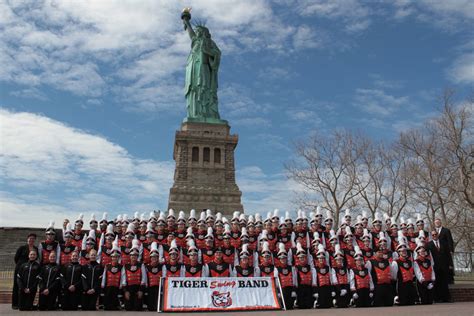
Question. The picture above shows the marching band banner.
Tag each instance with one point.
(219, 294)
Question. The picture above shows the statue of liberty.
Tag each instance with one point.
(201, 74)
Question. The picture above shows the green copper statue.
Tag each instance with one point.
(201, 74)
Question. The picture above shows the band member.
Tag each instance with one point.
(244, 269)
(403, 274)
(181, 230)
(348, 250)
(217, 267)
(173, 267)
(49, 284)
(146, 244)
(376, 229)
(266, 267)
(366, 248)
(161, 234)
(133, 281)
(287, 277)
(71, 280)
(154, 273)
(93, 225)
(210, 220)
(340, 279)
(208, 251)
(253, 237)
(301, 230)
(380, 269)
(88, 243)
(324, 291)
(111, 280)
(171, 221)
(194, 268)
(67, 247)
(235, 231)
(49, 245)
(306, 279)
(425, 275)
(200, 235)
(283, 235)
(229, 251)
(91, 280)
(78, 232)
(27, 280)
(142, 229)
(184, 251)
(127, 246)
(360, 280)
(103, 224)
(192, 222)
(106, 245)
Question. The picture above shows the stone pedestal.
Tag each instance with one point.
(204, 176)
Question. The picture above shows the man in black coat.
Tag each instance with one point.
(446, 240)
(21, 257)
(441, 258)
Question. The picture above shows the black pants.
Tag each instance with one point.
(152, 298)
(15, 291)
(441, 288)
(48, 302)
(289, 301)
(71, 300)
(406, 293)
(89, 301)
(343, 301)
(364, 299)
(111, 300)
(304, 296)
(324, 296)
(426, 296)
(383, 295)
(25, 300)
(134, 303)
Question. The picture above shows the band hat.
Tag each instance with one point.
(382, 236)
(316, 237)
(337, 251)
(287, 217)
(419, 245)
(258, 219)
(189, 232)
(264, 235)
(332, 235)
(245, 252)
(393, 221)
(119, 218)
(282, 222)
(136, 216)
(402, 222)
(365, 215)
(328, 216)
(161, 218)
(209, 214)
(104, 217)
(115, 247)
(366, 234)
(410, 222)
(244, 232)
(91, 235)
(281, 250)
(181, 217)
(202, 218)
(192, 215)
(135, 245)
(191, 246)
(251, 221)
(235, 217)
(299, 216)
(358, 252)
(299, 250)
(227, 232)
(276, 213)
(50, 228)
(358, 220)
(171, 214)
(268, 218)
(149, 229)
(243, 219)
(110, 230)
(80, 219)
(154, 249)
(265, 248)
(348, 231)
(386, 217)
(419, 219)
(68, 232)
(210, 233)
(130, 229)
(92, 219)
(318, 212)
(143, 221)
(321, 251)
(347, 213)
(152, 216)
(377, 218)
(125, 219)
(173, 247)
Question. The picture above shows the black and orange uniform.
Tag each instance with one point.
(272, 240)
(111, 286)
(195, 271)
(405, 287)
(200, 239)
(425, 277)
(71, 275)
(368, 253)
(375, 238)
(50, 279)
(302, 233)
(287, 277)
(349, 254)
(91, 279)
(361, 284)
(84, 257)
(105, 252)
(161, 238)
(381, 276)
(306, 280)
(241, 272)
(154, 274)
(77, 238)
(286, 240)
(207, 255)
(218, 270)
(65, 251)
(173, 270)
(341, 286)
(267, 270)
(146, 251)
(125, 254)
(181, 238)
(228, 254)
(252, 242)
(235, 240)
(324, 285)
(45, 248)
(218, 240)
(27, 278)
(133, 281)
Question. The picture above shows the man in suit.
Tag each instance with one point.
(441, 258)
(446, 240)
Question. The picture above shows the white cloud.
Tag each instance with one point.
(378, 102)
(462, 69)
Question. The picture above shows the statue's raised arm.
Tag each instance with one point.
(186, 17)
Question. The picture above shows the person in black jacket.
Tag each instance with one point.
(49, 284)
(72, 283)
(91, 280)
(446, 240)
(21, 257)
(441, 258)
(27, 279)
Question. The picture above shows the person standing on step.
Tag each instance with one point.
(27, 280)
(21, 257)
(49, 284)
(71, 279)
(91, 279)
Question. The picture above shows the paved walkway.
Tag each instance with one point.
(453, 309)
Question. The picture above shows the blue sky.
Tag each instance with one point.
(92, 91)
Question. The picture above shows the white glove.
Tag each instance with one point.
(316, 295)
(293, 294)
(371, 295)
(315, 304)
(355, 296)
(333, 294)
(430, 286)
(396, 300)
(343, 292)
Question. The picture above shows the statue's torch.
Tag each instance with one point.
(186, 16)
